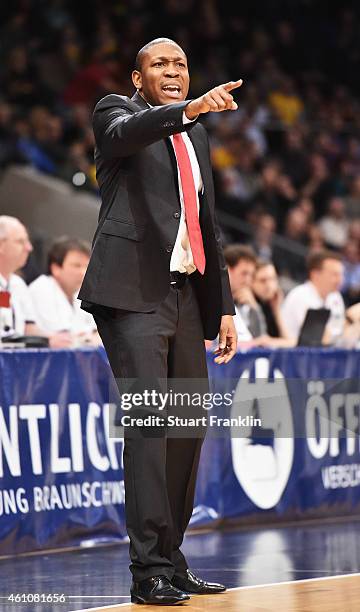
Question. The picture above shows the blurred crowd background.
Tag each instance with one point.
(286, 164)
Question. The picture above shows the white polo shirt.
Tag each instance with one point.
(305, 296)
(53, 310)
(13, 319)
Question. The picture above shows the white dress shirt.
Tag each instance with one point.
(242, 330)
(21, 311)
(53, 310)
(182, 258)
(305, 296)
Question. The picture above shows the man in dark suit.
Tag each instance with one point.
(157, 285)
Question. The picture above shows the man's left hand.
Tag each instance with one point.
(227, 340)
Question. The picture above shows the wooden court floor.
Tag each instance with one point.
(329, 594)
(303, 568)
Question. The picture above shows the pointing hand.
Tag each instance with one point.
(216, 100)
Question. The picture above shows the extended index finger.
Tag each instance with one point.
(232, 85)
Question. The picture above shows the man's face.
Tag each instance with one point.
(241, 275)
(329, 278)
(15, 248)
(265, 283)
(70, 275)
(164, 76)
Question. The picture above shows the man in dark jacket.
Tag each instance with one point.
(157, 285)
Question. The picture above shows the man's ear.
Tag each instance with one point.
(136, 79)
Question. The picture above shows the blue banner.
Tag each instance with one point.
(61, 476)
(309, 399)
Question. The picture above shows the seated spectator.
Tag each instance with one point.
(351, 283)
(321, 290)
(241, 261)
(286, 102)
(94, 80)
(315, 238)
(290, 261)
(306, 205)
(354, 230)
(269, 296)
(294, 156)
(351, 336)
(352, 201)
(9, 152)
(320, 184)
(17, 316)
(54, 295)
(334, 226)
(22, 84)
(263, 236)
(275, 193)
(296, 225)
(234, 160)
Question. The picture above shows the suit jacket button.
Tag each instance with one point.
(176, 215)
(169, 248)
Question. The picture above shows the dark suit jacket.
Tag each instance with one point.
(140, 211)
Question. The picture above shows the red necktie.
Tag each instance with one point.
(190, 202)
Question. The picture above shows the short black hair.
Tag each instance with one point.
(234, 253)
(62, 246)
(316, 259)
(264, 263)
(143, 50)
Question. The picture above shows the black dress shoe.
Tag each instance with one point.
(156, 590)
(192, 584)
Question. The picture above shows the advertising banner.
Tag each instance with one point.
(61, 479)
(282, 443)
(304, 459)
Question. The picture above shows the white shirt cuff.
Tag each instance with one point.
(186, 119)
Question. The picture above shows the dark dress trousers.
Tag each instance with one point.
(153, 332)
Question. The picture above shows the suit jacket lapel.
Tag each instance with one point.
(164, 143)
(138, 99)
(200, 147)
